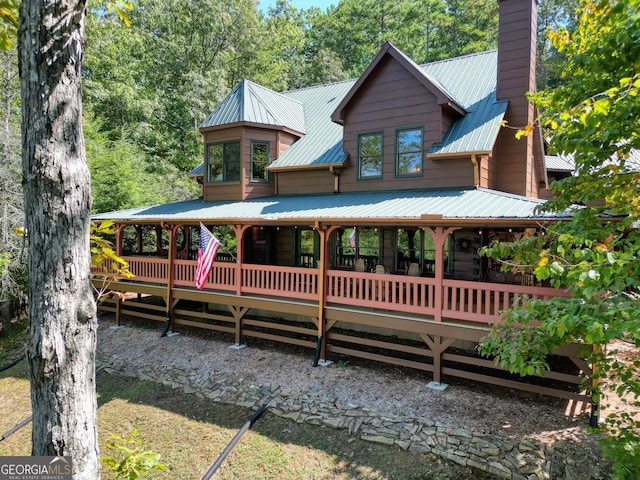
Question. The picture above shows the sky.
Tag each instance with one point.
(300, 4)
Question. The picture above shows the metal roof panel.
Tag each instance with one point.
(479, 203)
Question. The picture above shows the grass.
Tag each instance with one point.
(190, 432)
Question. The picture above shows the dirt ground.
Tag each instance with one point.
(560, 424)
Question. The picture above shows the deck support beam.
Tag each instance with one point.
(238, 314)
(170, 256)
(437, 345)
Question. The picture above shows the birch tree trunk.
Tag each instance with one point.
(57, 193)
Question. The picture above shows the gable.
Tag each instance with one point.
(387, 52)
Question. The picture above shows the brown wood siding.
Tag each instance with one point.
(466, 262)
(393, 98)
(302, 182)
(284, 240)
(487, 169)
(212, 192)
(285, 140)
(516, 76)
(257, 189)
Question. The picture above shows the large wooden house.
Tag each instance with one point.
(355, 212)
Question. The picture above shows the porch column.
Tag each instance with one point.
(239, 231)
(439, 236)
(170, 255)
(119, 229)
(323, 265)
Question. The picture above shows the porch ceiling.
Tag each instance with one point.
(432, 207)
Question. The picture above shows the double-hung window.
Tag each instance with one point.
(259, 161)
(223, 162)
(409, 148)
(370, 155)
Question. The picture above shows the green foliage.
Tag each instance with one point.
(106, 265)
(130, 458)
(8, 23)
(594, 116)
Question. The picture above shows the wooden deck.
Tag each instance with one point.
(416, 322)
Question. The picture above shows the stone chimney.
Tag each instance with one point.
(514, 159)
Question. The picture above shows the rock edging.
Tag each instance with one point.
(503, 458)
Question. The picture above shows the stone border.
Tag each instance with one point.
(504, 458)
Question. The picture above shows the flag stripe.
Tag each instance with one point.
(209, 246)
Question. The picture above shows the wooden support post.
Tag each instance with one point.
(238, 314)
(239, 231)
(595, 400)
(437, 345)
(322, 274)
(118, 304)
(439, 236)
(169, 298)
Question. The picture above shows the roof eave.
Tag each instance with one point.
(265, 126)
(320, 166)
(468, 153)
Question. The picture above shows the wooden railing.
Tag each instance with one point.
(380, 290)
(454, 299)
(221, 277)
(483, 302)
(292, 282)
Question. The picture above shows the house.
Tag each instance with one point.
(352, 214)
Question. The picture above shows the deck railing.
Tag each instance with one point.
(483, 302)
(379, 290)
(293, 282)
(462, 300)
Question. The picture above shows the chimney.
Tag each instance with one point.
(517, 32)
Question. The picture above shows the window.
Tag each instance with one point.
(307, 247)
(223, 162)
(409, 152)
(259, 161)
(370, 155)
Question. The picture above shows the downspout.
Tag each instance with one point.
(336, 179)
(322, 271)
(169, 300)
(476, 170)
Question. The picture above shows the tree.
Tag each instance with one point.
(57, 187)
(12, 266)
(593, 116)
(552, 15)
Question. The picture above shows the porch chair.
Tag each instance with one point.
(413, 270)
(359, 265)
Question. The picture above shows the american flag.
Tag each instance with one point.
(209, 246)
(352, 238)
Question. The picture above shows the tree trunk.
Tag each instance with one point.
(62, 310)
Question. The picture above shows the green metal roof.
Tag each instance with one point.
(322, 144)
(469, 81)
(250, 102)
(478, 204)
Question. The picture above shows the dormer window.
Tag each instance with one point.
(409, 148)
(223, 162)
(370, 155)
(259, 161)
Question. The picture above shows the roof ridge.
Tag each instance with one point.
(280, 94)
(319, 85)
(459, 57)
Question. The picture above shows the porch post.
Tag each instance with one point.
(239, 231)
(439, 236)
(119, 229)
(323, 264)
(169, 300)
